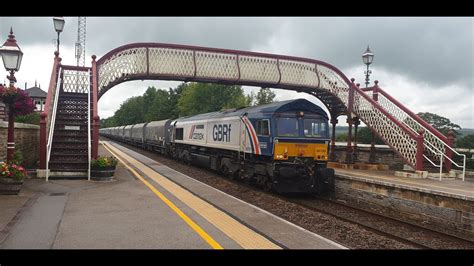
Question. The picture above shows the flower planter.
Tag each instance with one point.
(103, 174)
(10, 186)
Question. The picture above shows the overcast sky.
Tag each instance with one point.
(425, 63)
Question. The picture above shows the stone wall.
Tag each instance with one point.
(3, 113)
(383, 155)
(435, 210)
(26, 141)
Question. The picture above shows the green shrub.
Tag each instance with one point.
(17, 157)
(103, 161)
(470, 164)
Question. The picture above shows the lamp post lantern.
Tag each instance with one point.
(367, 57)
(11, 56)
(58, 26)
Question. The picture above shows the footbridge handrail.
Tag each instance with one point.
(52, 123)
(46, 114)
(434, 141)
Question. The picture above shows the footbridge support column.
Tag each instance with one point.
(332, 155)
(349, 151)
(356, 123)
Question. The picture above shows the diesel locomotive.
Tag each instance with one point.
(281, 146)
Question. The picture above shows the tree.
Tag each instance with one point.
(364, 135)
(108, 122)
(250, 98)
(341, 137)
(442, 124)
(197, 98)
(466, 142)
(159, 108)
(130, 112)
(264, 96)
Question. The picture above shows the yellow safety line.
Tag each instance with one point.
(401, 181)
(240, 233)
(170, 204)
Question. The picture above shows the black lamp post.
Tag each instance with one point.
(367, 57)
(12, 56)
(58, 26)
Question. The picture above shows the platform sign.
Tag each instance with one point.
(72, 127)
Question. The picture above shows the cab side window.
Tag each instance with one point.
(263, 127)
(179, 134)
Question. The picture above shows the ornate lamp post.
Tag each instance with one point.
(58, 26)
(11, 55)
(367, 57)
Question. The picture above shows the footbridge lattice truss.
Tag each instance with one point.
(411, 137)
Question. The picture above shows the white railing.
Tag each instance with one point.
(52, 123)
(89, 134)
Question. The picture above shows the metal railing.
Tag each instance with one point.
(52, 123)
(434, 141)
(89, 134)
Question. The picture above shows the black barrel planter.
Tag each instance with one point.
(9, 186)
(103, 173)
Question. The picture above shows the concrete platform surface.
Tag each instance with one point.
(446, 187)
(279, 231)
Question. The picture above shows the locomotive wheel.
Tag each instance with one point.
(268, 184)
(224, 170)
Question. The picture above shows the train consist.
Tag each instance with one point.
(281, 146)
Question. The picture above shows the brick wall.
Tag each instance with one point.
(26, 141)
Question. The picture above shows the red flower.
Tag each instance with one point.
(18, 100)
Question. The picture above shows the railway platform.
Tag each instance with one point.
(147, 206)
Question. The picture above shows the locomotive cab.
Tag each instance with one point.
(295, 137)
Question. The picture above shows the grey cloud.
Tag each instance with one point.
(434, 50)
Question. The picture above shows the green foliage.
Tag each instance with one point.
(159, 105)
(341, 137)
(250, 99)
(131, 111)
(17, 157)
(470, 164)
(264, 96)
(364, 135)
(442, 124)
(108, 122)
(103, 162)
(197, 98)
(466, 142)
(33, 118)
(186, 99)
